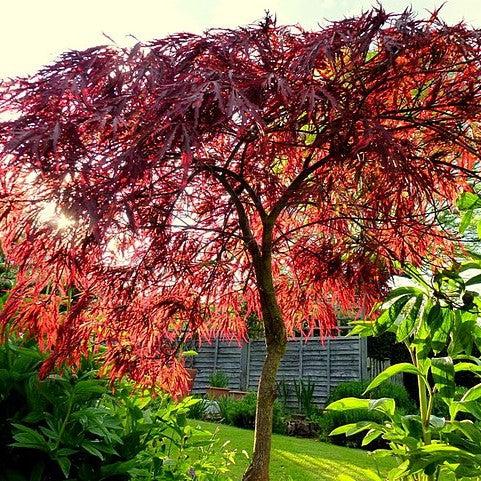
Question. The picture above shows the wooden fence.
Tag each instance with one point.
(325, 363)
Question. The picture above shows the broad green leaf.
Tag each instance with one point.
(465, 266)
(345, 477)
(408, 323)
(371, 435)
(385, 405)
(355, 428)
(466, 219)
(342, 429)
(362, 328)
(472, 394)
(442, 369)
(413, 425)
(119, 468)
(462, 333)
(434, 317)
(441, 331)
(467, 366)
(348, 403)
(470, 430)
(389, 316)
(399, 471)
(88, 389)
(474, 280)
(472, 407)
(392, 371)
(445, 449)
(464, 471)
(437, 422)
(410, 291)
(468, 200)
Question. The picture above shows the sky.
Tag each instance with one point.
(34, 32)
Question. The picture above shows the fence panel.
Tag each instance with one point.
(325, 363)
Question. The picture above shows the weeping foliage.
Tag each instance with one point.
(142, 187)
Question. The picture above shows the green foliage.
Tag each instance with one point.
(242, 412)
(283, 392)
(387, 389)
(330, 420)
(304, 390)
(436, 317)
(219, 379)
(197, 410)
(255, 328)
(71, 426)
(7, 278)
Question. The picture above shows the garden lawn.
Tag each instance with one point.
(296, 459)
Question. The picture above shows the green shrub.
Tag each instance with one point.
(388, 389)
(242, 412)
(198, 407)
(70, 425)
(329, 420)
(304, 390)
(219, 379)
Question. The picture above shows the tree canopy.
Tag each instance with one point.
(145, 189)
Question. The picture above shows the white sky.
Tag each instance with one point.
(34, 32)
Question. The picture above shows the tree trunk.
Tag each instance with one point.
(276, 340)
(258, 469)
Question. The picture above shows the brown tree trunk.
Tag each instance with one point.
(276, 340)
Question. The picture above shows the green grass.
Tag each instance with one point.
(295, 459)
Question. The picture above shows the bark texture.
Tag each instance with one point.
(276, 340)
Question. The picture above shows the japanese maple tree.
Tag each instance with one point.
(161, 194)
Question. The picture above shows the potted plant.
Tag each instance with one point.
(218, 385)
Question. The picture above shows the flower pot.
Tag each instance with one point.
(217, 392)
(237, 394)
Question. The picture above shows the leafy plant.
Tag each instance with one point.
(197, 410)
(386, 389)
(330, 420)
(219, 379)
(242, 412)
(7, 279)
(171, 448)
(436, 318)
(304, 390)
(71, 426)
(283, 392)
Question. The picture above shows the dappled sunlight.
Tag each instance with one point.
(330, 469)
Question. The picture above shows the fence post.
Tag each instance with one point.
(244, 369)
(362, 358)
(328, 366)
(301, 359)
(216, 353)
